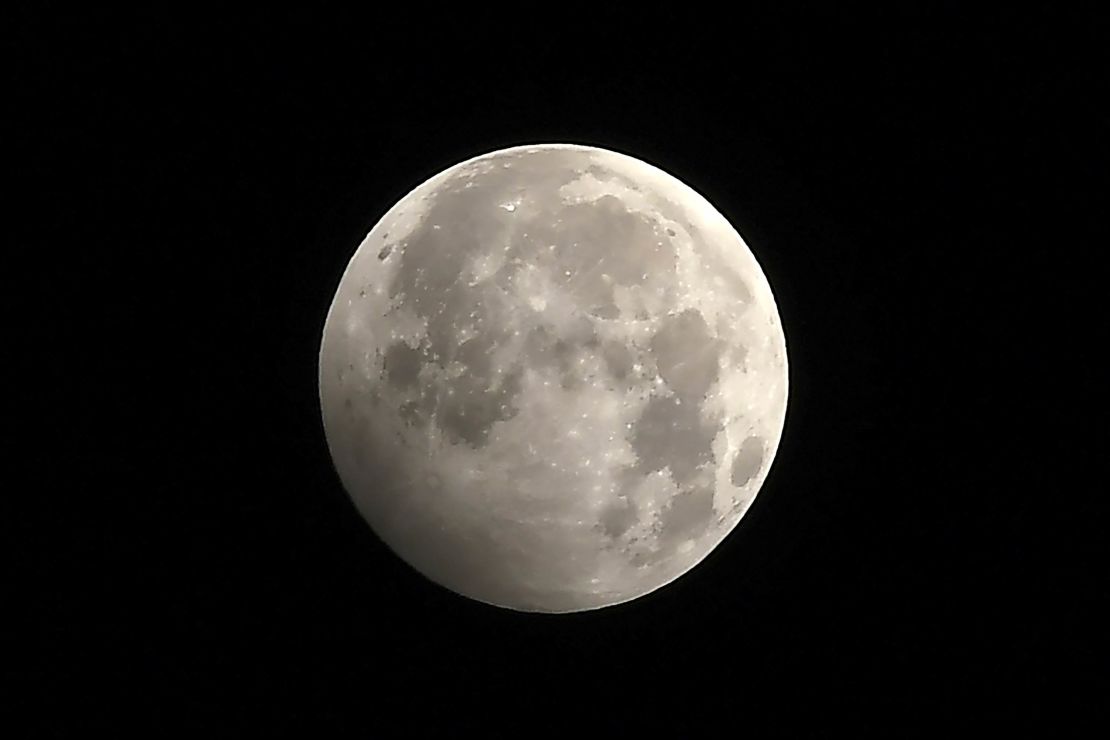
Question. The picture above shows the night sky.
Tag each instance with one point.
(917, 186)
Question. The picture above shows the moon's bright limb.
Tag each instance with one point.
(553, 378)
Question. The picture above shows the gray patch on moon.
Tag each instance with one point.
(430, 280)
(687, 356)
(672, 434)
(547, 350)
(401, 365)
(617, 517)
(618, 359)
(687, 515)
(605, 174)
(469, 405)
(607, 311)
(612, 245)
(747, 462)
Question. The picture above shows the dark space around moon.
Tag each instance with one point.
(913, 184)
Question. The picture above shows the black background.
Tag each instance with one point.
(918, 186)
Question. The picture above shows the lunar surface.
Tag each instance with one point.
(553, 378)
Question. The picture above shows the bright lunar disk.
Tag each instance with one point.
(553, 378)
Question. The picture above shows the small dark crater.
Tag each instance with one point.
(607, 312)
(402, 365)
(748, 460)
(617, 518)
(385, 251)
(670, 232)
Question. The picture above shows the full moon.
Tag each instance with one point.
(553, 378)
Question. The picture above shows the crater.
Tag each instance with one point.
(401, 365)
(747, 462)
(617, 518)
(607, 312)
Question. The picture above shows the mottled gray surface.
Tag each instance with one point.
(553, 378)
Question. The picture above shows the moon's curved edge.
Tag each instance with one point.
(429, 185)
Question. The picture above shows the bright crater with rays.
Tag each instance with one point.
(553, 378)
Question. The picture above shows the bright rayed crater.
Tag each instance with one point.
(553, 378)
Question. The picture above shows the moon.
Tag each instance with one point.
(553, 378)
